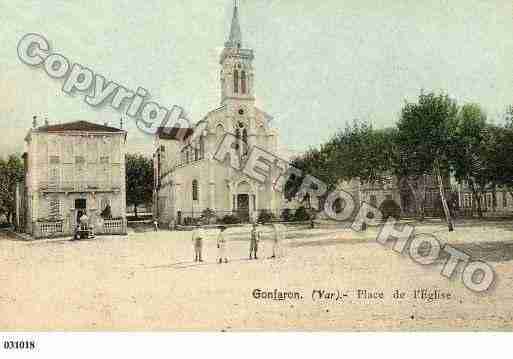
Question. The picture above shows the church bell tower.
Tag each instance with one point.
(236, 65)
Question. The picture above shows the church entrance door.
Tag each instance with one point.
(243, 207)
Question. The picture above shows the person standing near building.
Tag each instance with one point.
(253, 242)
(197, 242)
(84, 222)
(221, 246)
(278, 235)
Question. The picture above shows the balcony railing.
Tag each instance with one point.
(77, 186)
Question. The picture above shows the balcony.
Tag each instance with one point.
(78, 186)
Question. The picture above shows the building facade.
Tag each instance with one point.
(496, 202)
(72, 169)
(189, 180)
(394, 190)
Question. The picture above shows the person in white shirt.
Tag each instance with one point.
(84, 222)
(278, 234)
(221, 246)
(197, 242)
(253, 242)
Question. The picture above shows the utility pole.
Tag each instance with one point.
(442, 196)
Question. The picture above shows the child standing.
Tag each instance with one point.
(221, 246)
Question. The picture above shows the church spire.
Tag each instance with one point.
(237, 70)
(235, 39)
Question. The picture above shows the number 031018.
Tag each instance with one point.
(19, 344)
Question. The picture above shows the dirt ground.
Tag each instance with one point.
(148, 281)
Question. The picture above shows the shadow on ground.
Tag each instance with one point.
(487, 251)
(484, 251)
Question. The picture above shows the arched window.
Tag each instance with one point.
(236, 81)
(245, 142)
(373, 200)
(202, 147)
(195, 190)
(243, 81)
(261, 137)
(237, 138)
(219, 131)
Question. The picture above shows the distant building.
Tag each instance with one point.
(374, 194)
(494, 202)
(394, 190)
(188, 179)
(71, 169)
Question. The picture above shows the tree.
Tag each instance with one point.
(469, 159)
(358, 151)
(316, 163)
(500, 155)
(505, 153)
(508, 117)
(139, 180)
(11, 172)
(425, 138)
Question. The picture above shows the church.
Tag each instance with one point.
(189, 181)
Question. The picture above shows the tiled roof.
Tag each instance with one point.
(81, 126)
(174, 133)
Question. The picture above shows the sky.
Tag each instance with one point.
(318, 64)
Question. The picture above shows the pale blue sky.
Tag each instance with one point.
(318, 64)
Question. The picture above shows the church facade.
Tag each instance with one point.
(189, 181)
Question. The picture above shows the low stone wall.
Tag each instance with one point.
(48, 229)
(113, 226)
(53, 229)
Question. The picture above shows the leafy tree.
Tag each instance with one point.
(505, 153)
(11, 172)
(286, 215)
(208, 216)
(301, 214)
(500, 156)
(358, 151)
(425, 139)
(265, 216)
(313, 162)
(509, 117)
(471, 155)
(139, 180)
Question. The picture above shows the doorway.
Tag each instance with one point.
(243, 206)
(80, 208)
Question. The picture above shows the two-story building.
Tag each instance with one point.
(72, 169)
